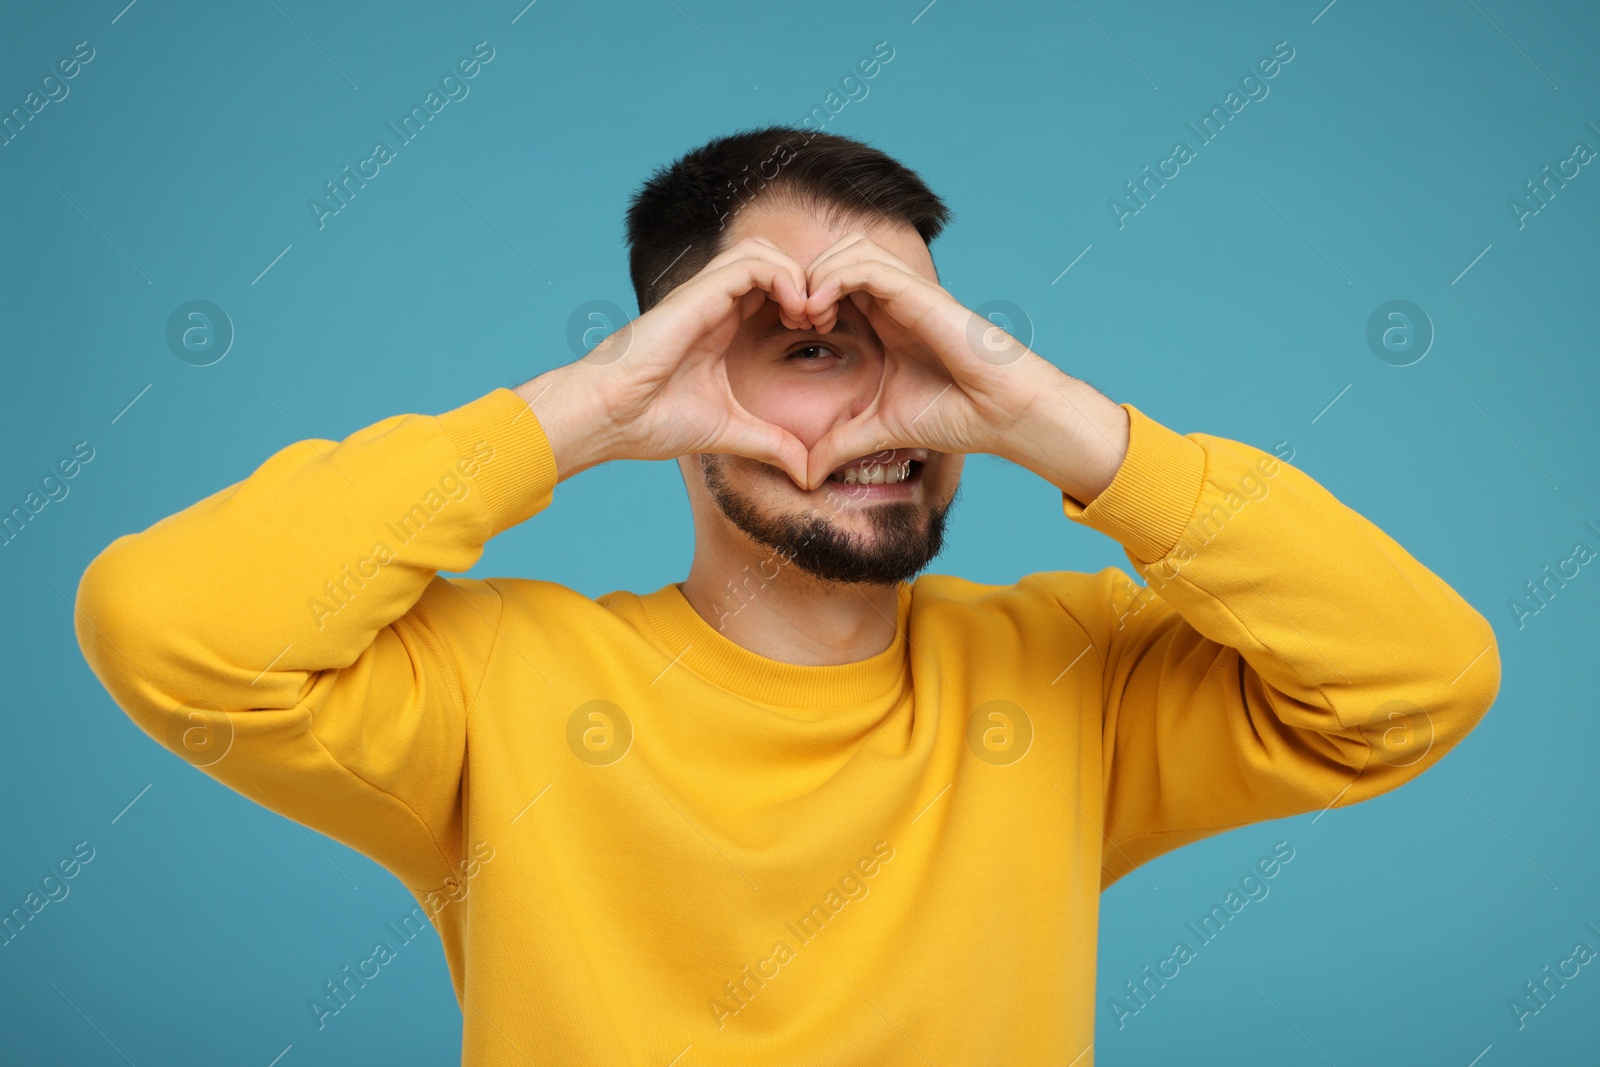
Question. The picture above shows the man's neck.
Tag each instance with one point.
(790, 616)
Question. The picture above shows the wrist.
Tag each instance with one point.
(1074, 437)
(574, 425)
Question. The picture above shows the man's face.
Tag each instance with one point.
(808, 383)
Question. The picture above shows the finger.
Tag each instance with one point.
(823, 308)
(791, 322)
(790, 297)
(900, 291)
(851, 250)
(750, 246)
(908, 299)
(851, 238)
(766, 442)
(857, 246)
(824, 317)
(743, 285)
(862, 301)
(861, 436)
(777, 276)
(756, 299)
(799, 275)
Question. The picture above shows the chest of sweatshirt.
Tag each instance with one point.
(921, 826)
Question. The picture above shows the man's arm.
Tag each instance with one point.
(289, 634)
(1286, 655)
(1291, 655)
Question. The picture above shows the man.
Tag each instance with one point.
(804, 806)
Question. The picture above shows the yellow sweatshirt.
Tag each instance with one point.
(644, 844)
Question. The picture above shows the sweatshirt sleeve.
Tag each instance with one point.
(290, 635)
(1284, 656)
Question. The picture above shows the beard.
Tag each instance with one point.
(905, 536)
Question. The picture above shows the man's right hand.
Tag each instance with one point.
(658, 387)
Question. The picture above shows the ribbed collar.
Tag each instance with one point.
(807, 692)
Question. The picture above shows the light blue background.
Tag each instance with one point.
(1388, 149)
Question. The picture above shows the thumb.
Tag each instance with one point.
(760, 440)
(861, 436)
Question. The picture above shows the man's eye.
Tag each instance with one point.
(813, 350)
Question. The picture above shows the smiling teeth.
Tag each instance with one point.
(877, 474)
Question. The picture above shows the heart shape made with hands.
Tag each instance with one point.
(952, 381)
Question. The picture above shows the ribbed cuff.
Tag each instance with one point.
(518, 478)
(1149, 503)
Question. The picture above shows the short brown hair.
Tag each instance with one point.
(677, 221)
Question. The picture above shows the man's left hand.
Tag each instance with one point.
(955, 382)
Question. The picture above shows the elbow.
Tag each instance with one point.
(111, 619)
(145, 660)
(1478, 679)
(1448, 687)
(102, 609)
(1463, 676)
(1473, 670)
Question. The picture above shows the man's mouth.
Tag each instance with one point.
(889, 467)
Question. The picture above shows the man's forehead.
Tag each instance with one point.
(802, 235)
